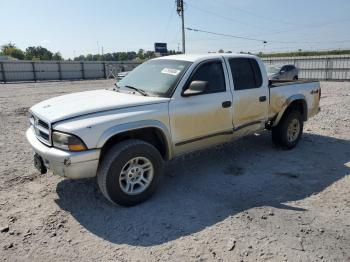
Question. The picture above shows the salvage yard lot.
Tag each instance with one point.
(246, 200)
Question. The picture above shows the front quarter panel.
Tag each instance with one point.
(94, 129)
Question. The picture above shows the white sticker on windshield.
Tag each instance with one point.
(170, 71)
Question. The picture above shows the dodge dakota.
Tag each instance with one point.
(165, 107)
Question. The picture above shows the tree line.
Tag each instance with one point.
(41, 53)
(306, 53)
(122, 56)
(31, 53)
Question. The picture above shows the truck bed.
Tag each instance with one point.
(282, 91)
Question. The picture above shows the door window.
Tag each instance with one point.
(213, 73)
(246, 73)
(285, 68)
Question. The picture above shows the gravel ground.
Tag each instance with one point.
(245, 200)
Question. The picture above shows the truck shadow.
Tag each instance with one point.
(204, 188)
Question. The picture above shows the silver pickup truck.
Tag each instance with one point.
(164, 108)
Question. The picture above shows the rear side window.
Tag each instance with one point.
(291, 67)
(213, 73)
(246, 73)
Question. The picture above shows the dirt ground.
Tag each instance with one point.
(243, 201)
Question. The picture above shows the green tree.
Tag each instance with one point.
(38, 53)
(141, 54)
(97, 57)
(57, 56)
(108, 57)
(131, 55)
(149, 54)
(89, 57)
(10, 49)
(115, 56)
(80, 58)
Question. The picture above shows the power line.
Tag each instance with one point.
(282, 30)
(264, 41)
(256, 15)
(233, 36)
(168, 23)
(224, 17)
(265, 32)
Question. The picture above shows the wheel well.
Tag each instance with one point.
(298, 105)
(150, 135)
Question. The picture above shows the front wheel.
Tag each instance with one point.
(288, 132)
(129, 172)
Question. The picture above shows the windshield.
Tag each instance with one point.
(273, 69)
(157, 77)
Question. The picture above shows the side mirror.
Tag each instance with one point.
(282, 72)
(196, 88)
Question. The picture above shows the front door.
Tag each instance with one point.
(202, 119)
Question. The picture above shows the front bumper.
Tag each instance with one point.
(73, 165)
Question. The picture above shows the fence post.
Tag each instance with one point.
(3, 72)
(59, 70)
(82, 70)
(327, 69)
(33, 70)
(104, 70)
(330, 69)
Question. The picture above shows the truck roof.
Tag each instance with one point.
(196, 57)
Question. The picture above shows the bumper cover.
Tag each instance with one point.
(73, 165)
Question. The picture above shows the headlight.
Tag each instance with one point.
(67, 142)
(31, 119)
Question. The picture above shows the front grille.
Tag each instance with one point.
(43, 124)
(42, 129)
(44, 135)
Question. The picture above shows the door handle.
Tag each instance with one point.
(262, 98)
(226, 104)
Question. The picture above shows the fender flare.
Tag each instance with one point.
(289, 101)
(122, 128)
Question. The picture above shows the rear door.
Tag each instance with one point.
(250, 95)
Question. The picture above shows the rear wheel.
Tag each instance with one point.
(295, 78)
(130, 172)
(288, 132)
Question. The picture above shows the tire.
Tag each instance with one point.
(289, 131)
(295, 78)
(124, 169)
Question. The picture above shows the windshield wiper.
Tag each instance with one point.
(142, 92)
(116, 88)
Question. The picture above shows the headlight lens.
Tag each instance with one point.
(67, 142)
(31, 119)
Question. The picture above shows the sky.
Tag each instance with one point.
(75, 27)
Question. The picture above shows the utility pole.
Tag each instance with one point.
(180, 11)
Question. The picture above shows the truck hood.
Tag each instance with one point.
(83, 103)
